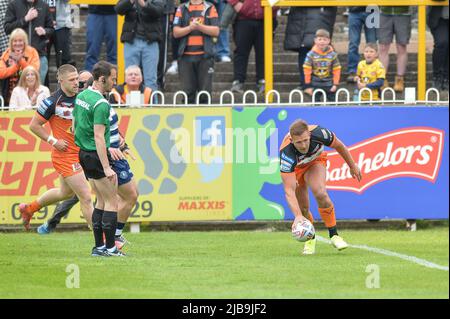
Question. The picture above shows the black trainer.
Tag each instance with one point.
(98, 252)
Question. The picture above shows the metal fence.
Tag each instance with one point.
(295, 98)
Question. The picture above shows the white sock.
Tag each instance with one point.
(118, 232)
(113, 249)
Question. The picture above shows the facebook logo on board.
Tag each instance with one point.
(210, 130)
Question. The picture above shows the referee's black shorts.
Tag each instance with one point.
(91, 164)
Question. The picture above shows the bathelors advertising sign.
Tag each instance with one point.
(408, 152)
(402, 152)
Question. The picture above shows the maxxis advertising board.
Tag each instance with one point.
(179, 168)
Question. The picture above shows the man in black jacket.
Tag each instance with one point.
(438, 23)
(141, 35)
(34, 17)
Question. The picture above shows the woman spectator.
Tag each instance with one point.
(14, 60)
(29, 92)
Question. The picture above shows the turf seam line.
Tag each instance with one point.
(413, 259)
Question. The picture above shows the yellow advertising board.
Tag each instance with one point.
(180, 165)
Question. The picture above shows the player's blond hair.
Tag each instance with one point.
(64, 70)
(298, 127)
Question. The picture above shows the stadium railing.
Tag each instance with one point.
(421, 4)
(250, 98)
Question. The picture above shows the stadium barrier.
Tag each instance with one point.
(158, 99)
(221, 163)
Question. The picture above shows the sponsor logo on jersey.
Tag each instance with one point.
(408, 152)
(76, 167)
(43, 106)
(286, 158)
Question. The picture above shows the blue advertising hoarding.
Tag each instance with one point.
(402, 151)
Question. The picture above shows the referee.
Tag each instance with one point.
(92, 135)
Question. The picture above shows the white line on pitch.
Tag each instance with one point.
(413, 259)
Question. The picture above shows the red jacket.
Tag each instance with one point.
(251, 10)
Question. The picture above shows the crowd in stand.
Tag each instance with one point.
(198, 33)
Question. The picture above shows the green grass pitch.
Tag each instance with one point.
(235, 264)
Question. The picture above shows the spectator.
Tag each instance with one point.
(223, 42)
(101, 25)
(196, 24)
(15, 59)
(141, 34)
(302, 24)
(371, 73)
(169, 9)
(85, 80)
(395, 20)
(29, 92)
(322, 68)
(133, 82)
(3, 36)
(438, 23)
(248, 32)
(357, 20)
(62, 38)
(34, 17)
(173, 68)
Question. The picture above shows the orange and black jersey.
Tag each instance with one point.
(290, 157)
(57, 110)
(199, 13)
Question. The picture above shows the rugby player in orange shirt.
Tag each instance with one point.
(303, 165)
(57, 110)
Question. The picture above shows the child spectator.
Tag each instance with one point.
(370, 73)
(322, 68)
(29, 93)
(196, 23)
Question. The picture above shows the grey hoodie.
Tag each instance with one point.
(63, 15)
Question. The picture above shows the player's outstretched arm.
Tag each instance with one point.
(37, 127)
(343, 151)
(289, 185)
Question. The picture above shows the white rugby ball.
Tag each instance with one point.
(303, 231)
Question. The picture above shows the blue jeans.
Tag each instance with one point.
(146, 56)
(223, 42)
(43, 69)
(100, 27)
(356, 21)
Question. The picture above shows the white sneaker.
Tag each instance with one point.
(338, 242)
(310, 247)
(225, 59)
(173, 69)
